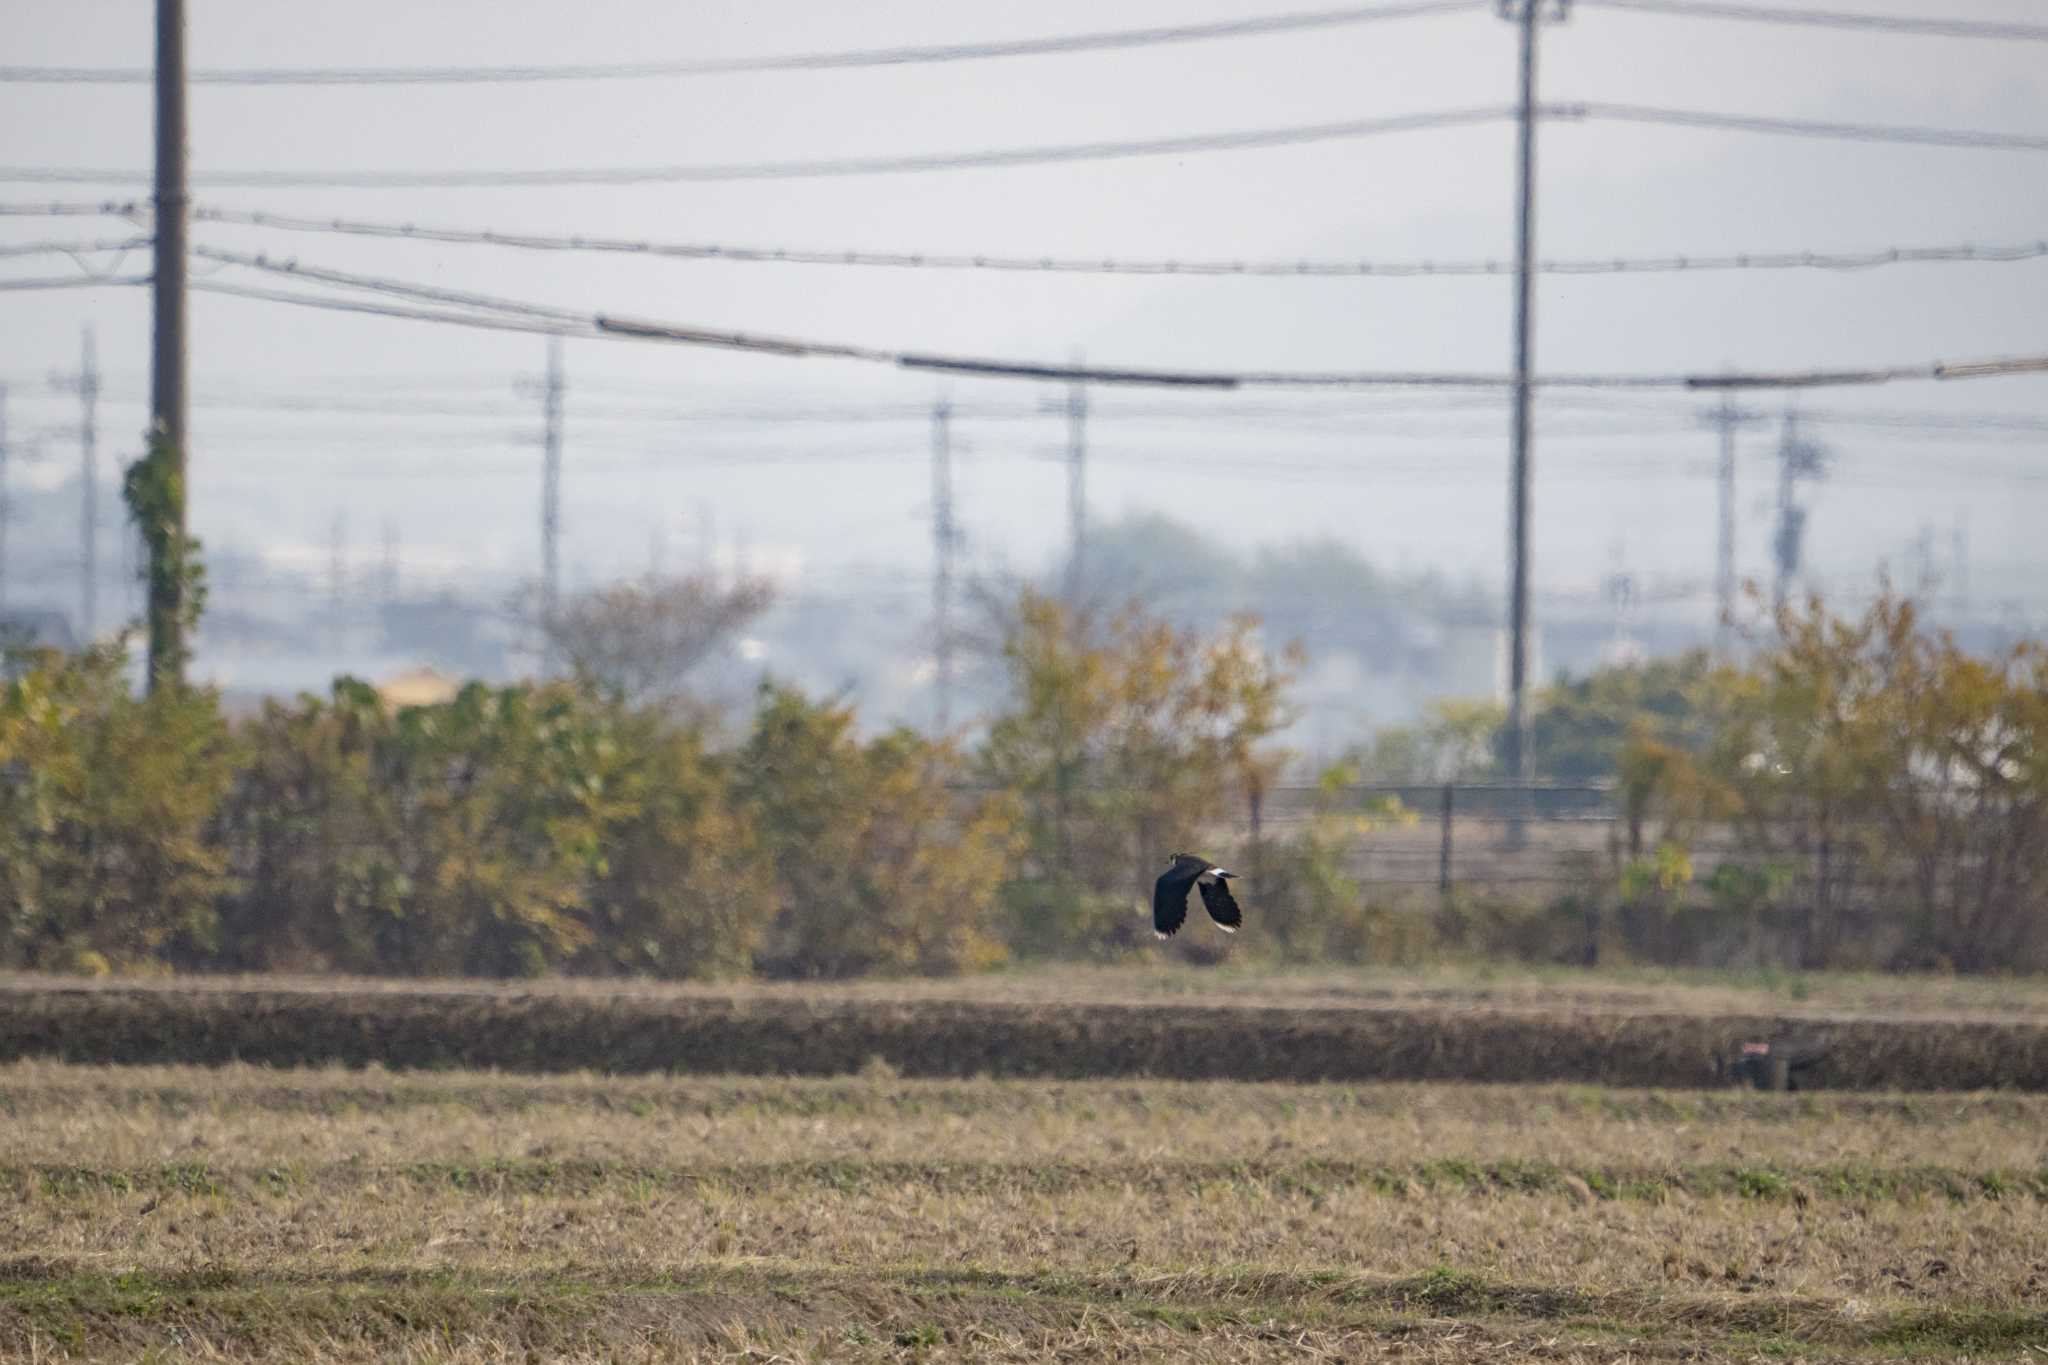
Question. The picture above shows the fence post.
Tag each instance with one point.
(1443, 857)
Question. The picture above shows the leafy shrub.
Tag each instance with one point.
(105, 803)
(878, 867)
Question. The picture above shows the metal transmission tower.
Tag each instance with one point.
(945, 538)
(551, 391)
(86, 384)
(1077, 490)
(1727, 420)
(167, 392)
(1798, 458)
(1528, 16)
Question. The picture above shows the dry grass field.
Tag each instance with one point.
(337, 1215)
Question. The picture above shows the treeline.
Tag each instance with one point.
(1872, 795)
(1876, 777)
(582, 827)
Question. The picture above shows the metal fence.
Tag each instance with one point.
(1511, 840)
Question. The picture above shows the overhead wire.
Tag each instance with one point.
(818, 168)
(100, 208)
(1309, 420)
(555, 322)
(345, 305)
(509, 315)
(849, 59)
(1836, 19)
(1045, 264)
(86, 248)
(1043, 155)
(1791, 127)
(29, 283)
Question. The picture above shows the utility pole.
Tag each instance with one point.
(1798, 458)
(1959, 566)
(944, 539)
(1925, 576)
(167, 353)
(551, 390)
(1727, 420)
(1520, 759)
(6, 506)
(1077, 490)
(89, 474)
(387, 565)
(88, 389)
(337, 576)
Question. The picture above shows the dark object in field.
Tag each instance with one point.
(1170, 895)
(1772, 1066)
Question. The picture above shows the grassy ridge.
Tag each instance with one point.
(825, 1032)
(1309, 1177)
(733, 1311)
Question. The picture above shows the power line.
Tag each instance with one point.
(507, 315)
(104, 208)
(71, 282)
(1880, 23)
(1788, 127)
(1040, 264)
(1240, 140)
(1347, 415)
(343, 305)
(624, 330)
(1055, 154)
(1108, 40)
(402, 289)
(72, 248)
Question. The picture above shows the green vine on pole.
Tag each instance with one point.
(154, 489)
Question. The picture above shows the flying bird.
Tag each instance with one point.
(1170, 895)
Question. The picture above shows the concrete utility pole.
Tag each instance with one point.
(387, 565)
(1959, 566)
(1727, 420)
(89, 492)
(1520, 758)
(167, 348)
(1077, 490)
(944, 539)
(6, 506)
(552, 389)
(337, 574)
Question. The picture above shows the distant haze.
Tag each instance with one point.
(1408, 483)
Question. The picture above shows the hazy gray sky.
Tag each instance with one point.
(461, 487)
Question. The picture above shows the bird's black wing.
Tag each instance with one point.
(1170, 897)
(1222, 906)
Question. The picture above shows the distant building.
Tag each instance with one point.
(419, 687)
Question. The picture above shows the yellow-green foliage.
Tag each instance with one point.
(685, 888)
(1123, 739)
(1876, 756)
(1311, 907)
(505, 832)
(105, 801)
(878, 868)
(442, 839)
(1868, 772)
